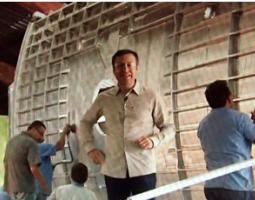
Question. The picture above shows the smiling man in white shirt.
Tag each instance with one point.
(131, 112)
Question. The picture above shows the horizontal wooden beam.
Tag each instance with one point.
(44, 7)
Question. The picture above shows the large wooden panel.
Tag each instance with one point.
(65, 55)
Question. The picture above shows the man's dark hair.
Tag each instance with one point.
(79, 173)
(217, 93)
(36, 124)
(123, 52)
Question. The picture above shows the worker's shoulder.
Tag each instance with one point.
(147, 89)
(105, 90)
(148, 92)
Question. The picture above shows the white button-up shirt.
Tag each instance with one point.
(128, 117)
(72, 192)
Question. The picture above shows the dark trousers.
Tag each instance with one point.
(122, 188)
(225, 194)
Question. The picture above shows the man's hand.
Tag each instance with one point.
(73, 128)
(253, 116)
(145, 143)
(97, 156)
(67, 129)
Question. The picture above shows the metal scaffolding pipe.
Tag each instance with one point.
(193, 180)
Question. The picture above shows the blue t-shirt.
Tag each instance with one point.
(226, 137)
(4, 195)
(46, 151)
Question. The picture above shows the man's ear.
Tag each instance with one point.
(230, 100)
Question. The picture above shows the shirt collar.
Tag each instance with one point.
(26, 133)
(217, 109)
(77, 184)
(136, 89)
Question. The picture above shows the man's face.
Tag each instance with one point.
(39, 134)
(125, 70)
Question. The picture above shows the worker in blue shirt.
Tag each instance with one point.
(226, 137)
(4, 195)
(46, 151)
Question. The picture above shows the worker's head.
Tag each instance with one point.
(37, 130)
(125, 65)
(79, 173)
(218, 94)
(123, 52)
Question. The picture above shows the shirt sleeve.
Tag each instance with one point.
(247, 127)
(52, 195)
(86, 124)
(47, 150)
(5, 153)
(33, 154)
(160, 118)
(94, 196)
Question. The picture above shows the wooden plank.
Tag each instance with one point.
(176, 40)
(45, 7)
(233, 48)
(6, 73)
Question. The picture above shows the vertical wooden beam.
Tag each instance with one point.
(233, 48)
(6, 73)
(175, 48)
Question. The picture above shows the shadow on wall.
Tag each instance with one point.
(4, 127)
